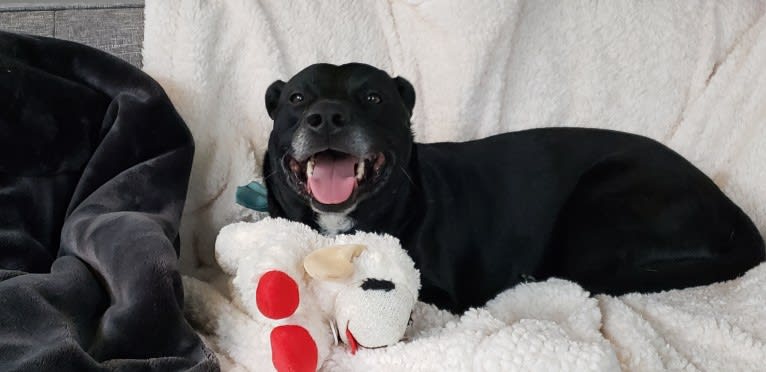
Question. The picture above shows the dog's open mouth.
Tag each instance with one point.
(331, 177)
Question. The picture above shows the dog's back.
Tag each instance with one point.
(615, 212)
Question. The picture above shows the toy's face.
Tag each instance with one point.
(373, 313)
(377, 291)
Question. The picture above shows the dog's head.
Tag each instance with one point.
(339, 134)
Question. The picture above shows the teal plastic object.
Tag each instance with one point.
(253, 196)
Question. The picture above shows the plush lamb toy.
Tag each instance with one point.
(302, 292)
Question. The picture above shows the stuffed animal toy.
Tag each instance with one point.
(304, 292)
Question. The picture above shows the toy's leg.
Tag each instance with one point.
(277, 295)
(293, 349)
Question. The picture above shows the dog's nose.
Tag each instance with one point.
(327, 115)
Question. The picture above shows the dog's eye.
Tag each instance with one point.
(296, 98)
(373, 98)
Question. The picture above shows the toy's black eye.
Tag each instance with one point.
(296, 98)
(372, 284)
(373, 98)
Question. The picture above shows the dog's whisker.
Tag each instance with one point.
(267, 177)
(407, 175)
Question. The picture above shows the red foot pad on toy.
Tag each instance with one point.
(293, 349)
(276, 295)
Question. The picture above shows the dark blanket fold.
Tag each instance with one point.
(94, 165)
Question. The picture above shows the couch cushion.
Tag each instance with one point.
(115, 26)
(17, 5)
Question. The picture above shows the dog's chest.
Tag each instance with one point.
(334, 223)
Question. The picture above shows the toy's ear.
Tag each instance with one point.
(332, 263)
(272, 96)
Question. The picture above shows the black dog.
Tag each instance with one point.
(612, 211)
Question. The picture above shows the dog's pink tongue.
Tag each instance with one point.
(333, 179)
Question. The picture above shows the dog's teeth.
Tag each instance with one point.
(310, 168)
(360, 170)
(379, 162)
(294, 166)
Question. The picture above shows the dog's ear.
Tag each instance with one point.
(272, 96)
(406, 91)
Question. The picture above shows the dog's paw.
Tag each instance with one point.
(277, 295)
(293, 349)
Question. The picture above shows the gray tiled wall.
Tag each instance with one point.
(116, 26)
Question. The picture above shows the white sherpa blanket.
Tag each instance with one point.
(547, 326)
(691, 74)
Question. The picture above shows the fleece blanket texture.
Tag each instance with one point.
(691, 74)
(94, 164)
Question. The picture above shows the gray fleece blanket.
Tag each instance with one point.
(94, 166)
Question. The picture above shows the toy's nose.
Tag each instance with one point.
(372, 284)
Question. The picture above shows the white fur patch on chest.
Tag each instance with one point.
(334, 223)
